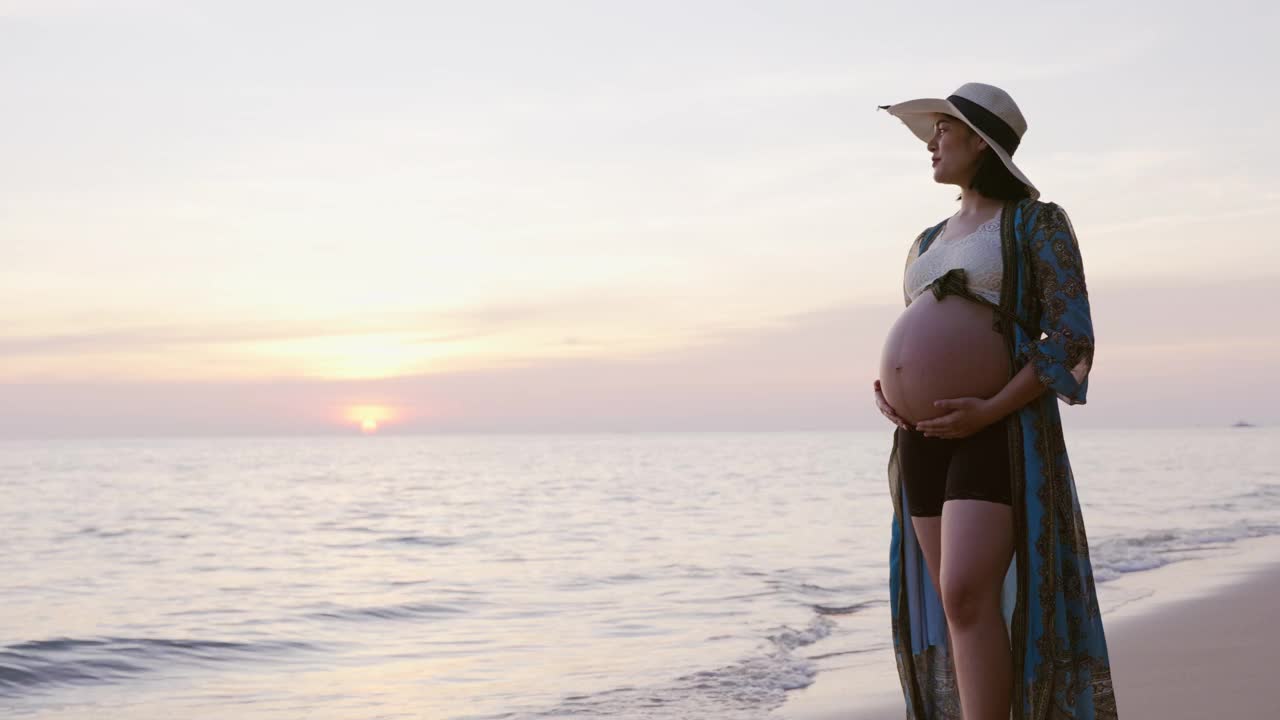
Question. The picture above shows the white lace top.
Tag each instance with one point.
(979, 253)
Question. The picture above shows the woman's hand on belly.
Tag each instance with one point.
(968, 415)
(887, 410)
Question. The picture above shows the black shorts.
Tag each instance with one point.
(935, 470)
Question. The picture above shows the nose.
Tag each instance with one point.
(932, 145)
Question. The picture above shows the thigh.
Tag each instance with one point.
(929, 535)
(977, 516)
(923, 463)
(977, 546)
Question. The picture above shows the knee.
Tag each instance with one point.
(965, 600)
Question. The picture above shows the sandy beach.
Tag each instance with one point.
(1197, 647)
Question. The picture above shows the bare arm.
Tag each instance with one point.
(1021, 389)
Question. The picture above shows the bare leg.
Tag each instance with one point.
(977, 545)
(929, 533)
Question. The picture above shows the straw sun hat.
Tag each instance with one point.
(992, 114)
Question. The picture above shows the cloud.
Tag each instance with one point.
(167, 337)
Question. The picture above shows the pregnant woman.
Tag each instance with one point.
(992, 596)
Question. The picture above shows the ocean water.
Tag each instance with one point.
(523, 576)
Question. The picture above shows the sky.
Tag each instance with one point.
(285, 217)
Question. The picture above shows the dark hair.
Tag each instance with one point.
(994, 180)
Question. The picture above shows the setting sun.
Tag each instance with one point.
(369, 417)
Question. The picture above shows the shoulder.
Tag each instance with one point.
(1035, 208)
(1037, 216)
(1048, 236)
(930, 231)
(922, 240)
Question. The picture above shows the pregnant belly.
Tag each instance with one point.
(941, 349)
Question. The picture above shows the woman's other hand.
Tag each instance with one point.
(888, 411)
(968, 416)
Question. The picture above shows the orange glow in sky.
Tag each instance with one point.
(370, 417)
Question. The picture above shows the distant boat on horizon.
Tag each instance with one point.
(1243, 424)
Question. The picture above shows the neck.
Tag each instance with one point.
(975, 204)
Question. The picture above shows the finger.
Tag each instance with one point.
(944, 420)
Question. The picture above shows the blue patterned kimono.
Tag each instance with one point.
(1061, 669)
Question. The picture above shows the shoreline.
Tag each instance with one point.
(1196, 644)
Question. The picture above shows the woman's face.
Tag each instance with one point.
(955, 149)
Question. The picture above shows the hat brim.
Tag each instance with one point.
(917, 116)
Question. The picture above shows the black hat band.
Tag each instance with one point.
(988, 122)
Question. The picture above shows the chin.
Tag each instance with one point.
(942, 179)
